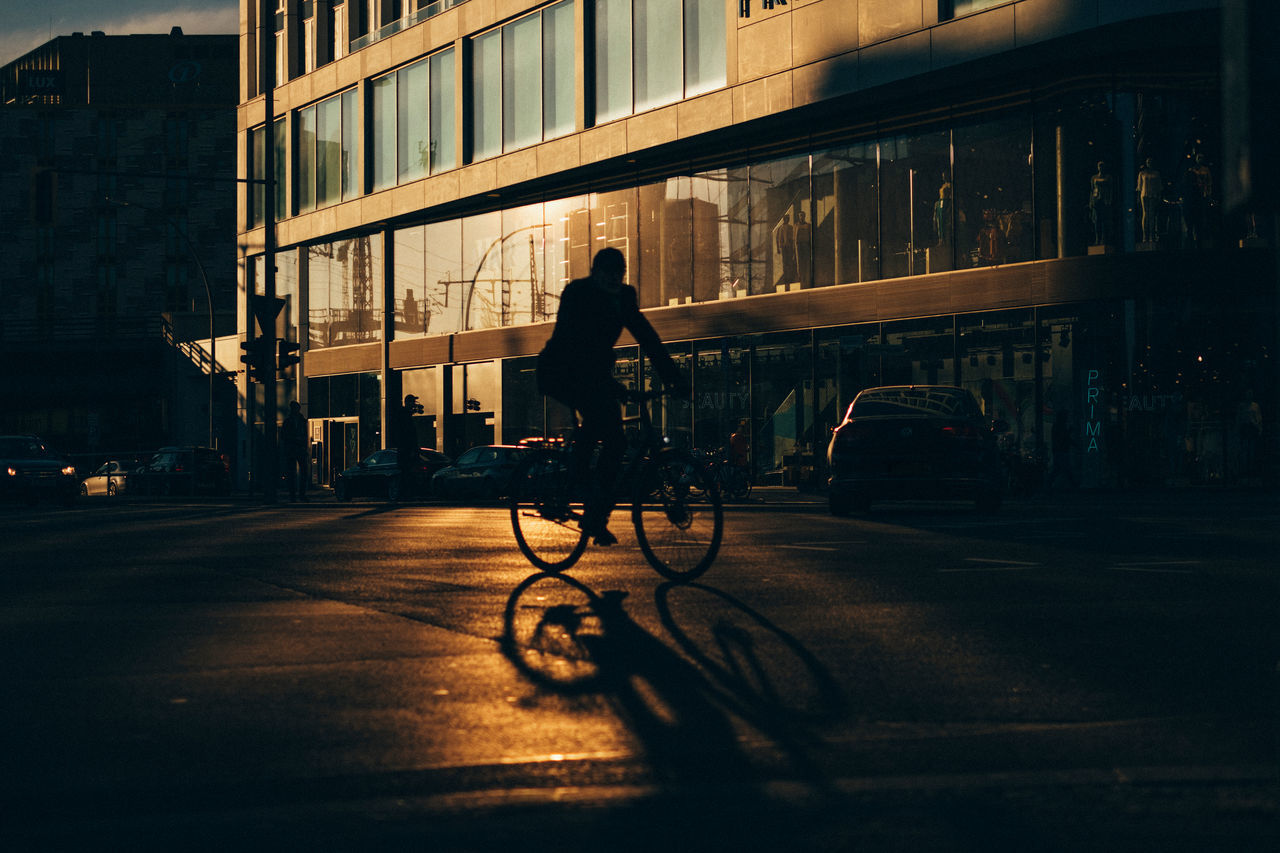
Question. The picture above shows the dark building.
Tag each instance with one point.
(1024, 198)
(117, 205)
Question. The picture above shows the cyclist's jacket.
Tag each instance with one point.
(578, 359)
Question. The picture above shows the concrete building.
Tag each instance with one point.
(1022, 198)
(117, 204)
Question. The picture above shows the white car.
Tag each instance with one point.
(111, 478)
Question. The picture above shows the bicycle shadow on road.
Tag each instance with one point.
(683, 710)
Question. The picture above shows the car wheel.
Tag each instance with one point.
(340, 491)
(112, 490)
(394, 489)
(84, 490)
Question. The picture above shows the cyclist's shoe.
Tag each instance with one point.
(604, 538)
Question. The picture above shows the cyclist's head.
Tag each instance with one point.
(609, 261)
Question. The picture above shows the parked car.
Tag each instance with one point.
(183, 471)
(111, 478)
(378, 475)
(31, 472)
(914, 442)
(481, 472)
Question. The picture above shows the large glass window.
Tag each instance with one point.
(443, 149)
(344, 292)
(654, 52)
(917, 222)
(558, 89)
(258, 171)
(326, 144)
(993, 192)
(522, 86)
(781, 230)
(483, 305)
(413, 121)
(429, 290)
(846, 212)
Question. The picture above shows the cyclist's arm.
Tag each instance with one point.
(640, 328)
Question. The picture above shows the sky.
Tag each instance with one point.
(30, 23)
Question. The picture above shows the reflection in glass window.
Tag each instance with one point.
(384, 132)
(613, 59)
(413, 121)
(781, 230)
(993, 192)
(915, 188)
(326, 139)
(846, 231)
(412, 137)
(483, 305)
(344, 292)
(486, 94)
(442, 146)
(409, 275)
(523, 84)
(558, 89)
(654, 52)
(306, 177)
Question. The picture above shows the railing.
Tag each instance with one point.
(409, 20)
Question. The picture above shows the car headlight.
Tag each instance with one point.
(12, 472)
(69, 470)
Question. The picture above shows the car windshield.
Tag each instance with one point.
(18, 447)
(945, 402)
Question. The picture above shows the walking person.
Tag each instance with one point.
(404, 438)
(293, 446)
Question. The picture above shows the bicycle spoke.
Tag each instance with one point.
(679, 520)
(544, 511)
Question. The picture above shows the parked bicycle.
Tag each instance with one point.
(733, 481)
(678, 517)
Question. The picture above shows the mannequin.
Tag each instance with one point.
(1150, 191)
(1100, 204)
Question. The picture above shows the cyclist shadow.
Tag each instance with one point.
(565, 637)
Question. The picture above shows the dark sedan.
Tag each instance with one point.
(378, 475)
(914, 442)
(481, 472)
(30, 472)
(183, 471)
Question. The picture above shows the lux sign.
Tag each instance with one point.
(32, 83)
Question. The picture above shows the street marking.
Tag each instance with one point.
(990, 565)
(810, 547)
(1157, 567)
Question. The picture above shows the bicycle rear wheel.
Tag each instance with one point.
(545, 510)
(678, 517)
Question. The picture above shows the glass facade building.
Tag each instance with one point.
(806, 211)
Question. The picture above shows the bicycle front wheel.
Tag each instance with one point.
(678, 517)
(545, 511)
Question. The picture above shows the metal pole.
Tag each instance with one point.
(269, 464)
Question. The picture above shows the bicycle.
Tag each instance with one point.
(677, 516)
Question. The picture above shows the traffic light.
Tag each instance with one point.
(286, 357)
(258, 358)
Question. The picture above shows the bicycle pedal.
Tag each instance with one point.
(604, 538)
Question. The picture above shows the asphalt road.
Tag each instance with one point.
(1091, 672)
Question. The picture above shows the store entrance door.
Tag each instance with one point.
(339, 448)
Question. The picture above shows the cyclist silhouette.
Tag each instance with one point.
(576, 368)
